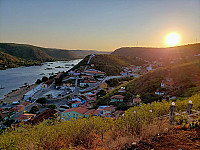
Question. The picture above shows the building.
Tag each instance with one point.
(47, 83)
(74, 113)
(25, 117)
(30, 93)
(76, 104)
(117, 98)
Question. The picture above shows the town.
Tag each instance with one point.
(73, 94)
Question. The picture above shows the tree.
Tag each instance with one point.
(34, 109)
(38, 81)
(100, 93)
(128, 97)
(41, 100)
(51, 106)
(44, 79)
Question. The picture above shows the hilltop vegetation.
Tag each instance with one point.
(95, 132)
(110, 64)
(149, 53)
(8, 61)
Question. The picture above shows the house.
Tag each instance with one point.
(149, 68)
(47, 83)
(94, 72)
(25, 117)
(74, 113)
(117, 98)
(87, 82)
(108, 109)
(89, 112)
(76, 104)
(157, 92)
(123, 73)
(98, 112)
(30, 93)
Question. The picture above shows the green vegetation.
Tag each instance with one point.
(51, 106)
(91, 132)
(110, 64)
(41, 100)
(34, 109)
(8, 61)
(185, 77)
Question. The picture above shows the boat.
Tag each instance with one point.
(2, 87)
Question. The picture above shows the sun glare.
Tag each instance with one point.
(172, 39)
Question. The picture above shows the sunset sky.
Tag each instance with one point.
(98, 24)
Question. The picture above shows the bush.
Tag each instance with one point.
(51, 106)
(41, 100)
(34, 109)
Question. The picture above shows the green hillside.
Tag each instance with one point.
(58, 54)
(186, 79)
(36, 53)
(25, 51)
(149, 53)
(111, 64)
(8, 61)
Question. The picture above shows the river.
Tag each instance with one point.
(14, 78)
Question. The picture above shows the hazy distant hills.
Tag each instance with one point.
(164, 53)
(30, 52)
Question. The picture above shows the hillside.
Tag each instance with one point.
(149, 53)
(59, 54)
(8, 61)
(110, 64)
(137, 124)
(25, 51)
(185, 82)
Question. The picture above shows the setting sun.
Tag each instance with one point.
(172, 39)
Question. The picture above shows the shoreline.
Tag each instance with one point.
(17, 94)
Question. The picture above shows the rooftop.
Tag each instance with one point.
(79, 110)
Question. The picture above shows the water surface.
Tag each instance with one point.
(14, 78)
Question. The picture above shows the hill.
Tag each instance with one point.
(25, 51)
(185, 81)
(110, 64)
(137, 124)
(8, 61)
(149, 53)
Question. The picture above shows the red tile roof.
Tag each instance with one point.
(94, 72)
(25, 116)
(79, 110)
(117, 96)
(90, 112)
(137, 100)
(97, 111)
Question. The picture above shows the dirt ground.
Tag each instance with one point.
(173, 140)
(17, 94)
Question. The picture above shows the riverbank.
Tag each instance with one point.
(17, 94)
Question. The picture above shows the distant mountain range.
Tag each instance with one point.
(43, 54)
(14, 55)
(150, 53)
